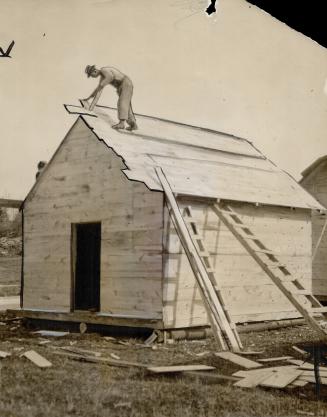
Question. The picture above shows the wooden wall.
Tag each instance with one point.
(316, 184)
(248, 292)
(84, 183)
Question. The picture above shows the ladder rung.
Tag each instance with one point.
(276, 265)
(288, 278)
(302, 292)
(241, 226)
(210, 270)
(229, 212)
(265, 251)
(251, 237)
(204, 254)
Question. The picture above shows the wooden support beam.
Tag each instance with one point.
(216, 314)
(88, 317)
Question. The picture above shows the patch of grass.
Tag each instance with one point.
(72, 388)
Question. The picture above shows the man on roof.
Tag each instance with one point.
(124, 88)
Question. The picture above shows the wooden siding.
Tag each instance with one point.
(316, 184)
(319, 265)
(248, 292)
(84, 183)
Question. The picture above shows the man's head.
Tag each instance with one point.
(91, 71)
(41, 164)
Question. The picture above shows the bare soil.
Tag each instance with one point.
(74, 388)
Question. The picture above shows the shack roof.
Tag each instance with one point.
(196, 161)
(313, 166)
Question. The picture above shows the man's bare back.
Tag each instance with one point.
(124, 86)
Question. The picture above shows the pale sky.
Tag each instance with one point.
(239, 71)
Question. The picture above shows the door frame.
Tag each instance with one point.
(73, 259)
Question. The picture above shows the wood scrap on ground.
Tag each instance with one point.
(307, 372)
(312, 379)
(302, 352)
(153, 337)
(44, 341)
(210, 376)
(298, 374)
(179, 368)
(53, 333)
(306, 365)
(297, 362)
(82, 328)
(78, 351)
(114, 356)
(281, 379)
(239, 360)
(206, 352)
(273, 377)
(279, 358)
(4, 355)
(93, 359)
(252, 380)
(250, 352)
(243, 374)
(7, 320)
(298, 383)
(37, 359)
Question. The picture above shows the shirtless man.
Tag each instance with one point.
(124, 87)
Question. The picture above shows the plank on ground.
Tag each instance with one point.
(244, 374)
(37, 359)
(281, 379)
(312, 379)
(252, 380)
(239, 360)
(180, 368)
(306, 365)
(298, 383)
(307, 372)
(94, 359)
(279, 358)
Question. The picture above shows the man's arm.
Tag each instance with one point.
(106, 78)
(92, 94)
(96, 98)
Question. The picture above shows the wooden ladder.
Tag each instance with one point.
(205, 257)
(224, 335)
(302, 299)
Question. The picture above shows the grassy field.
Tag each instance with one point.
(73, 388)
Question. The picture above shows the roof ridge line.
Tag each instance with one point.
(206, 129)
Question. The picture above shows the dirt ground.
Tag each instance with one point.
(83, 389)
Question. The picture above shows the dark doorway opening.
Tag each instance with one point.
(86, 246)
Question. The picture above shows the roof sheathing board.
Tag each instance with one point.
(158, 130)
(231, 169)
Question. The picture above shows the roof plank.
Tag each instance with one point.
(197, 161)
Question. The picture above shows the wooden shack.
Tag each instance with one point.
(99, 243)
(314, 180)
